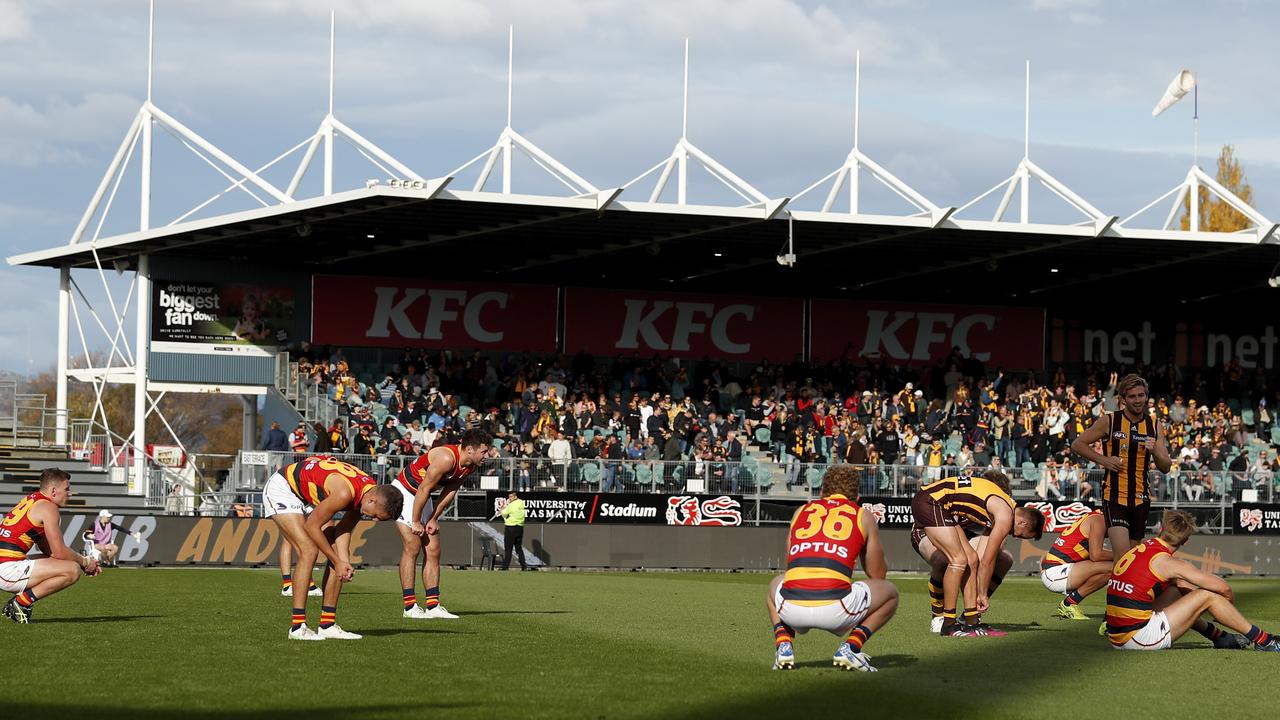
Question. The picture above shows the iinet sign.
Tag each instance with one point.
(607, 322)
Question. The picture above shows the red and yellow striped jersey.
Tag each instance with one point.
(1126, 441)
(18, 532)
(1072, 545)
(1132, 590)
(822, 551)
(413, 475)
(307, 479)
(966, 498)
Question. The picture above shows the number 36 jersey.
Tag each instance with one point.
(822, 551)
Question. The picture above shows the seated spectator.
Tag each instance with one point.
(103, 532)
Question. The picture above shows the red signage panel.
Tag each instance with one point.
(398, 312)
(914, 334)
(610, 322)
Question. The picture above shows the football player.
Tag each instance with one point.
(828, 538)
(1154, 598)
(1077, 564)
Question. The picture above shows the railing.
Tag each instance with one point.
(312, 404)
(767, 500)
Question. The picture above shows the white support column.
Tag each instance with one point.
(1024, 181)
(64, 329)
(506, 164)
(1193, 187)
(143, 279)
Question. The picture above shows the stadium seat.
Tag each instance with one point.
(749, 470)
(1275, 435)
(499, 442)
(764, 436)
(463, 411)
(1029, 472)
(814, 477)
(588, 434)
(1246, 416)
(644, 474)
(626, 474)
(591, 473)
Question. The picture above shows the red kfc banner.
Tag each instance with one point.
(393, 312)
(905, 333)
(609, 322)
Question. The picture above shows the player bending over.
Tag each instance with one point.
(938, 566)
(301, 498)
(828, 536)
(1077, 565)
(34, 523)
(940, 509)
(1153, 598)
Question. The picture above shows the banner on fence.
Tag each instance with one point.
(919, 334)
(613, 322)
(632, 508)
(399, 312)
(1255, 518)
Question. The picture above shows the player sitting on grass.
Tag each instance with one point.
(1077, 564)
(34, 522)
(1154, 598)
(301, 498)
(827, 539)
(942, 509)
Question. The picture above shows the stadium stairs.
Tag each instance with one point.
(93, 490)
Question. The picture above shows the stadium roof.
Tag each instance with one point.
(464, 235)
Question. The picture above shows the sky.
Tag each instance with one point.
(597, 84)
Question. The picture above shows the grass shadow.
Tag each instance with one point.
(518, 612)
(388, 632)
(98, 619)
(97, 711)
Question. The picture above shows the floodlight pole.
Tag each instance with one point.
(1024, 181)
(144, 209)
(682, 156)
(853, 157)
(327, 128)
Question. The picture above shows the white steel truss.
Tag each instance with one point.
(857, 161)
(1020, 182)
(509, 141)
(1190, 187)
(684, 151)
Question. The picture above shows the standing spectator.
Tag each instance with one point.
(888, 442)
(323, 443)
(559, 453)
(275, 439)
(612, 462)
(513, 515)
(298, 440)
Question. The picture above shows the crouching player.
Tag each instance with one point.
(34, 523)
(1077, 565)
(1154, 598)
(301, 498)
(827, 539)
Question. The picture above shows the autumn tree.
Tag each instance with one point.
(1216, 215)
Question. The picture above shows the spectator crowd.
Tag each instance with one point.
(941, 419)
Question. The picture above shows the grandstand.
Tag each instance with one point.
(765, 292)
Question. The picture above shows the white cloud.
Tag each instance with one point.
(60, 131)
(14, 23)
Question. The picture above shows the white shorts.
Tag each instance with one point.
(837, 617)
(15, 574)
(1055, 578)
(406, 510)
(1153, 636)
(278, 499)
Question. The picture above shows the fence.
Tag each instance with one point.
(314, 405)
(1208, 495)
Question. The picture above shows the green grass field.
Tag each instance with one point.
(211, 643)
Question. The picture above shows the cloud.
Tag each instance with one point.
(28, 311)
(60, 131)
(14, 23)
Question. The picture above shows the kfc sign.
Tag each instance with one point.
(607, 322)
(919, 334)
(361, 311)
